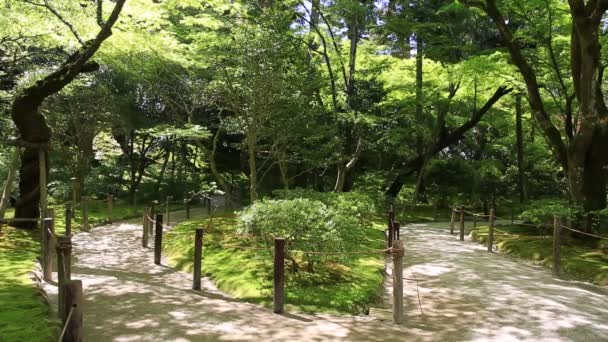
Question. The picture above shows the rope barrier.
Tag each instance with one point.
(67, 322)
(584, 233)
(369, 251)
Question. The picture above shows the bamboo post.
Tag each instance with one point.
(279, 275)
(167, 211)
(491, 231)
(158, 239)
(557, 244)
(43, 192)
(452, 221)
(74, 189)
(398, 252)
(68, 219)
(461, 223)
(145, 236)
(6, 192)
(397, 230)
(198, 256)
(71, 292)
(85, 213)
(391, 232)
(110, 204)
(47, 248)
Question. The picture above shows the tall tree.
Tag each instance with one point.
(34, 132)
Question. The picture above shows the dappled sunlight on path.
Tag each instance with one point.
(128, 298)
(472, 295)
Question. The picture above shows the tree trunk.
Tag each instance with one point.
(253, 172)
(520, 149)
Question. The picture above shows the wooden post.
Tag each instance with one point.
(64, 259)
(279, 275)
(491, 231)
(397, 230)
(152, 214)
(71, 292)
(452, 221)
(461, 223)
(110, 200)
(208, 205)
(557, 246)
(145, 236)
(85, 213)
(68, 219)
(158, 238)
(398, 252)
(198, 256)
(474, 220)
(47, 248)
(43, 194)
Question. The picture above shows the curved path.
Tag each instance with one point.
(466, 293)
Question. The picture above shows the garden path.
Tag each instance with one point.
(468, 294)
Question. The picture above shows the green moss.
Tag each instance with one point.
(23, 314)
(579, 262)
(247, 273)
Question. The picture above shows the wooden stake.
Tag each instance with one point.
(279, 275)
(187, 204)
(74, 189)
(557, 246)
(68, 219)
(198, 256)
(391, 231)
(452, 221)
(491, 231)
(158, 239)
(398, 252)
(71, 291)
(397, 230)
(461, 223)
(43, 194)
(64, 259)
(145, 236)
(167, 217)
(110, 204)
(47, 248)
(474, 220)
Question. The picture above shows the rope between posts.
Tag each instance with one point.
(347, 253)
(584, 233)
(67, 322)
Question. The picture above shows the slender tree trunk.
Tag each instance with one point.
(520, 149)
(161, 175)
(253, 172)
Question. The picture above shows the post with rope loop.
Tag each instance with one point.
(398, 252)
(47, 246)
(198, 256)
(491, 230)
(68, 219)
(452, 221)
(158, 239)
(64, 263)
(145, 236)
(461, 223)
(71, 311)
(110, 204)
(279, 276)
(557, 246)
(85, 213)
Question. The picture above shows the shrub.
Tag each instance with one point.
(351, 203)
(308, 225)
(543, 211)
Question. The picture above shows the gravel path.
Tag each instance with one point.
(466, 293)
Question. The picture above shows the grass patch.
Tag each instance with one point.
(580, 262)
(421, 213)
(247, 274)
(23, 314)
